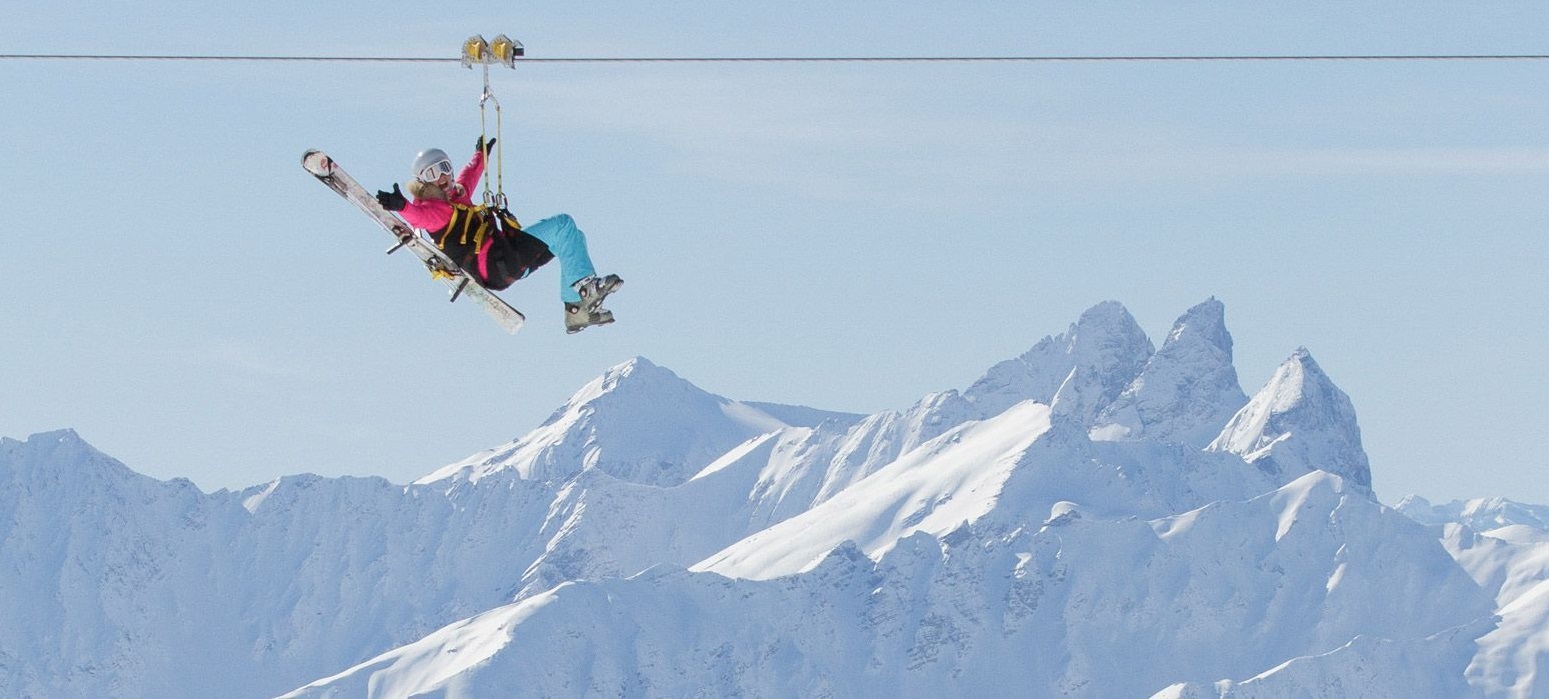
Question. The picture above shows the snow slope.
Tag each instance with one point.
(1022, 456)
(1037, 610)
(953, 479)
(1371, 668)
(1504, 545)
(1511, 563)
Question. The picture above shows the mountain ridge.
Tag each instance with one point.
(947, 537)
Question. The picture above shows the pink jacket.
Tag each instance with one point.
(433, 214)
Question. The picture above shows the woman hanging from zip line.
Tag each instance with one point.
(491, 245)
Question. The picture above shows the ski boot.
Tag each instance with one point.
(578, 317)
(594, 289)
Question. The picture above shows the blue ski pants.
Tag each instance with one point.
(568, 244)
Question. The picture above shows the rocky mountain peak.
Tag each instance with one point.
(1186, 391)
(1299, 422)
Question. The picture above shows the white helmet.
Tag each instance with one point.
(430, 164)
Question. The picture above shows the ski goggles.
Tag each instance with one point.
(436, 169)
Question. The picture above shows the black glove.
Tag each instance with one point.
(480, 145)
(392, 201)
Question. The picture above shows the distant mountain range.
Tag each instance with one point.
(1096, 517)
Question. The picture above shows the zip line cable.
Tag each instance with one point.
(801, 59)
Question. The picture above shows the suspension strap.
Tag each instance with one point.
(498, 200)
(500, 175)
(504, 51)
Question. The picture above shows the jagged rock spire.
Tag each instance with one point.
(1079, 371)
(1187, 390)
(1299, 422)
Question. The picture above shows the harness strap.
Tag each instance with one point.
(466, 222)
(484, 258)
(490, 244)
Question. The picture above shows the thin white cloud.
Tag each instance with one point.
(1164, 163)
(1383, 161)
(248, 360)
(852, 138)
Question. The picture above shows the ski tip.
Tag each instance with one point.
(512, 321)
(317, 163)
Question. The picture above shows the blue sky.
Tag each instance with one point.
(844, 236)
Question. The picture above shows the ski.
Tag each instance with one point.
(461, 284)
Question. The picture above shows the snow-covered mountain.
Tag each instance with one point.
(1091, 505)
(1504, 545)
(1079, 372)
(1299, 422)
(1481, 514)
(1000, 606)
(1186, 391)
(637, 422)
(115, 584)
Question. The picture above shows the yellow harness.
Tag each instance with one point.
(467, 234)
(469, 226)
